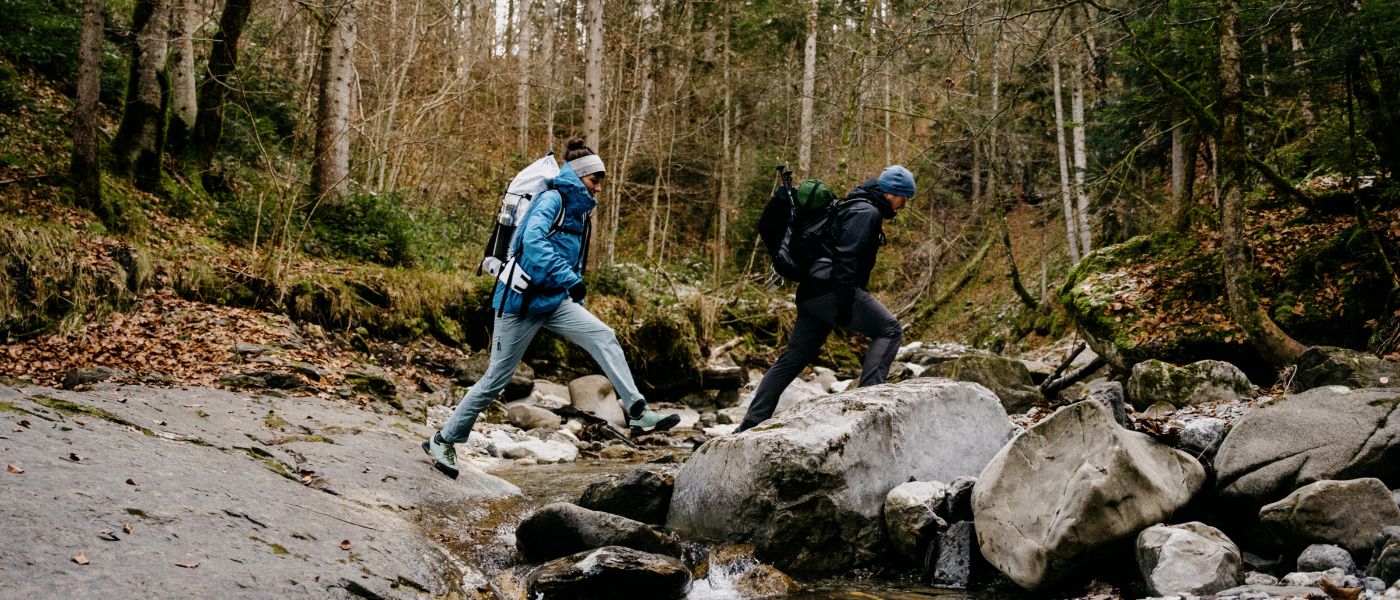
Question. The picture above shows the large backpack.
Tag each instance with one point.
(529, 183)
(795, 224)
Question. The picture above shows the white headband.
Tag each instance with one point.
(584, 166)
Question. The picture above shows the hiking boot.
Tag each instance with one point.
(444, 455)
(651, 420)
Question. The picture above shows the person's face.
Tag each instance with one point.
(896, 202)
(594, 183)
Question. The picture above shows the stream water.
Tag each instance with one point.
(543, 484)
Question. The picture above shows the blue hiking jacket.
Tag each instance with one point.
(552, 259)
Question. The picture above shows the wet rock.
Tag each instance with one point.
(469, 371)
(527, 416)
(1007, 378)
(1263, 592)
(952, 559)
(807, 486)
(730, 570)
(594, 395)
(1322, 557)
(1190, 559)
(1070, 485)
(1327, 365)
(703, 399)
(764, 581)
(1319, 434)
(1348, 513)
(911, 516)
(1385, 556)
(1202, 437)
(642, 495)
(607, 573)
(88, 376)
(545, 451)
(1200, 382)
(726, 377)
(618, 452)
(959, 505)
(561, 529)
(727, 398)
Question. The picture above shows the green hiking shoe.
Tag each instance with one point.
(651, 420)
(444, 455)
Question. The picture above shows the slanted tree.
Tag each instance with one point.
(138, 145)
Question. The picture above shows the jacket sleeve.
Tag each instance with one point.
(542, 261)
(856, 227)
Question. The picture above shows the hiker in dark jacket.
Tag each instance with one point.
(552, 251)
(834, 292)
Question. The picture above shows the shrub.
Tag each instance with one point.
(366, 226)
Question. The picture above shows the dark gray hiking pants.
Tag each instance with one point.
(815, 320)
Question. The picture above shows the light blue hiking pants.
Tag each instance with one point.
(513, 335)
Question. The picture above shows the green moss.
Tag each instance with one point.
(274, 420)
(73, 408)
(277, 549)
(136, 512)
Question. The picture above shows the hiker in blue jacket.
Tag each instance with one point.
(553, 252)
(833, 293)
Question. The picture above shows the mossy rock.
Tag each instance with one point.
(665, 355)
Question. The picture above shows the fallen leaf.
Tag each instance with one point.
(109, 535)
(130, 482)
(344, 544)
(14, 469)
(24, 423)
(189, 562)
(73, 456)
(126, 528)
(80, 559)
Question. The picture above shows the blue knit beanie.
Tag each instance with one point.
(897, 180)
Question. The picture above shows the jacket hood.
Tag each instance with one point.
(577, 200)
(870, 190)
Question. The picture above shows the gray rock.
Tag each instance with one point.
(927, 354)
(544, 388)
(1110, 394)
(1385, 556)
(1070, 485)
(374, 382)
(605, 573)
(642, 495)
(1202, 437)
(911, 516)
(1337, 577)
(247, 349)
(309, 371)
(1255, 578)
(252, 379)
(1200, 382)
(1327, 365)
(700, 399)
(727, 398)
(1190, 559)
(561, 529)
(527, 416)
(1349, 514)
(1374, 584)
(798, 392)
(594, 395)
(255, 508)
(807, 486)
(1323, 433)
(952, 559)
(960, 499)
(88, 376)
(1007, 378)
(1255, 562)
(1261, 592)
(469, 371)
(1321, 557)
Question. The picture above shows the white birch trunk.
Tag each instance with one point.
(1071, 236)
(809, 83)
(522, 58)
(1178, 175)
(1080, 155)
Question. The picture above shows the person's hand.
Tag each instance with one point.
(577, 292)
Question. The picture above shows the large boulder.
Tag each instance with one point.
(1007, 378)
(610, 572)
(561, 529)
(642, 495)
(1385, 556)
(1327, 365)
(1350, 514)
(1190, 559)
(911, 516)
(1324, 433)
(1072, 485)
(526, 415)
(952, 560)
(806, 487)
(1322, 557)
(1200, 382)
(594, 395)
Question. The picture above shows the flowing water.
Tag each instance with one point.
(543, 484)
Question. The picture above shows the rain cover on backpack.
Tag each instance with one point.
(528, 184)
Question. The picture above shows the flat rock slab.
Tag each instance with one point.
(227, 495)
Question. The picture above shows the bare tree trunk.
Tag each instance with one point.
(522, 57)
(1178, 212)
(330, 170)
(1266, 337)
(1071, 235)
(722, 212)
(593, 72)
(140, 138)
(809, 83)
(84, 169)
(551, 12)
(1080, 154)
(214, 90)
(1295, 38)
(183, 108)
